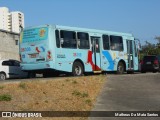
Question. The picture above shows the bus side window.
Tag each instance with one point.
(116, 43)
(57, 38)
(69, 39)
(106, 42)
(83, 40)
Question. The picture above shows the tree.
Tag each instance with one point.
(158, 39)
(149, 49)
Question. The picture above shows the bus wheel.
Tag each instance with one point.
(77, 69)
(2, 76)
(120, 68)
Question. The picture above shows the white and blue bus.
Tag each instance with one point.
(50, 48)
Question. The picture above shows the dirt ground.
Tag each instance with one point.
(65, 94)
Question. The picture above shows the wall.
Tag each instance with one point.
(8, 47)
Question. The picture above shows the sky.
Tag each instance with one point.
(139, 17)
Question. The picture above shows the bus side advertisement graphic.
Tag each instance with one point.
(36, 34)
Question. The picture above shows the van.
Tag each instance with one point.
(11, 69)
(150, 63)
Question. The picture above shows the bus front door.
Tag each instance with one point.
(130, 55)
(96, 54)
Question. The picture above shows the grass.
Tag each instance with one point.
(1, 87)
(22, 85)
(74, 82)
(63, 94)
(84, 95)
(5, 97)
(88, 101)
(67, 80)
(76, 93)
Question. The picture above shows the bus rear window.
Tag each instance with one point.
(34, 34)
(149, 58)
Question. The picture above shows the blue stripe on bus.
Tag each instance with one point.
(109, 58)
(43, 48)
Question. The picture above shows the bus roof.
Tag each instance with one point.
(83, 29)
(92, 30)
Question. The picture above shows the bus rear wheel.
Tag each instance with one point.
(77, 69)
(120, 68)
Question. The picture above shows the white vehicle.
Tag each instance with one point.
(11, 69)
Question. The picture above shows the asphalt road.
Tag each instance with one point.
(134, 92)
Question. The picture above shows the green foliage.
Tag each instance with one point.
(5, 97)
(150, 49)
(158, 38)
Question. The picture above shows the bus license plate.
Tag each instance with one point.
(33, 55)
(148, 63)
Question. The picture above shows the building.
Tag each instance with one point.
(17, 21)
(11, 21)
(5, 21)
(9, 47)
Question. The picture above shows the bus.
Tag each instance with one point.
(50, 49)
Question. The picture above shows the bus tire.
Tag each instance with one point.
(77, 69)
(120, 68)
(2, 76)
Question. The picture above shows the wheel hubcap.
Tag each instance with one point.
(2, 77)
(120, 69)
(78, 70)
